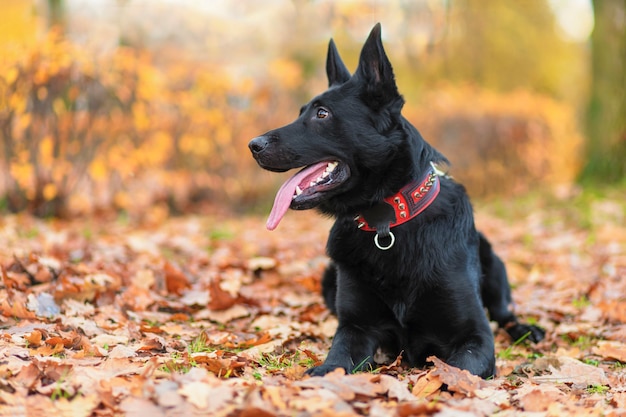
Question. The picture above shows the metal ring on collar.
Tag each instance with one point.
(393, 240)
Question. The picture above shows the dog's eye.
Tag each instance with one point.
(322, 113)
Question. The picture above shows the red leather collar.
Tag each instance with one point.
(410, 201)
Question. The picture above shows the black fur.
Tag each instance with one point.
(424, 296)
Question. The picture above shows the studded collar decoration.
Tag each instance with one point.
(401, 207)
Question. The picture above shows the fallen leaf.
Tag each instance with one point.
(140, 407)
(220, 299)
(536, 398)
(34, 338)
(207, 397)
(394, 388)
(457, 380)
(175, 280)
(261, 263)
(222, 367)
(151, 345)
(426, 385)
(610, 350)
(122, 351)
(564, 369)
(28, 376)
(425, 408)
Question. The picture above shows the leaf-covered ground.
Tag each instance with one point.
(210, 315)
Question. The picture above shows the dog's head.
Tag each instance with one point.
(351, 140)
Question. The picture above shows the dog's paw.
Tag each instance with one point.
(322, 369)
(529, 332)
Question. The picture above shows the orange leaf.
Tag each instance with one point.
(426, 385)
(28, 376)
(611, 349)
(222, 367)
(150, 329)
(179, 317)
(262, 339)
(49, 350)
(34, 338)
(17, 310)
(220, 299)
(175, 280)
(457, 380)
(151, 344)
(56, 340)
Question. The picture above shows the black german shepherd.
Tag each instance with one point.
(409, 271)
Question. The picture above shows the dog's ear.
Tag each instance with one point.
(335, 68)
(376, 72)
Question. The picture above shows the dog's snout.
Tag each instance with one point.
(257, 145)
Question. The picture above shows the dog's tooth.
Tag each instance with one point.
(312, 184)
(325, 174)
(298, 190)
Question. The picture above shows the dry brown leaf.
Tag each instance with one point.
(536, 398)
(221, 367)
(426, 385)
(220, 299)
(34, 338)
(261, 263)
(347, 387)
(564, 369)
(49, 350)
(610, 350)
(151, 345)
(175, 280)
(276, 396)
(179, 317)
(28, 376)
(424, 408)
(394, 388)
(56, 340)
(456, 379)
(145, 328)
(140, 407)
(80, 406)
(614, 310)
(206, 396)
(619, 400)
(16, 309)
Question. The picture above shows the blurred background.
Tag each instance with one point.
(147, 106)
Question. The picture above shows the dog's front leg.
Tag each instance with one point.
(352, 349)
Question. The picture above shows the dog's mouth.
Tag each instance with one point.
(306, 189)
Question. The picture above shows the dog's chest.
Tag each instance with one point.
(393, 287)
(396, 276)
(398, 294)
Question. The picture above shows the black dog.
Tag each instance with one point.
(409, 271)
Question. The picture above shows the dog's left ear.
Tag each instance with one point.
(335, 68)
(376, 72)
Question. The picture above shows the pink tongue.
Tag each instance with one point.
(283, 198)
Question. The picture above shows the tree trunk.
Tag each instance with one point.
(606, 117)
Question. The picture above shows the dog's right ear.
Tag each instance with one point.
(335, 68)
(376, 72)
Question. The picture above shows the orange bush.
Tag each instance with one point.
(81, 133)
(501, 143)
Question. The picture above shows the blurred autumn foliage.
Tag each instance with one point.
(82, 133)
(527, 141)
(153, 129)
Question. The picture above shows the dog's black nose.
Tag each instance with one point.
(257, 145)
